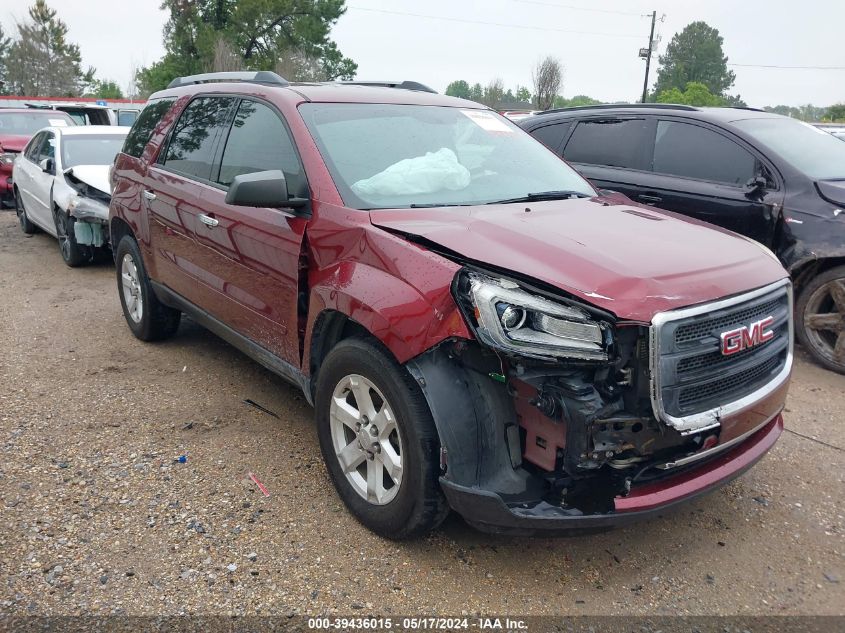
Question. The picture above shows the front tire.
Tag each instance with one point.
(73, 253)
(379, 441)
(27, 227)
(147, 317)
(820, 316)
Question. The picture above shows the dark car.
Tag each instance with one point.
(17, 125)
(774, 179)
(472, 321)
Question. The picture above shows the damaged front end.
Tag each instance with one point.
(90, 207)
(548, 421)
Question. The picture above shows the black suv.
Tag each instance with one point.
(771, 178)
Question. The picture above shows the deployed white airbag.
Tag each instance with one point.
(431, 173)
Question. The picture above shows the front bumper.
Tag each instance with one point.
(487, 510)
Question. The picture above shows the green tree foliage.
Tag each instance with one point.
(476, 93)
(105, 89)
(41, 61)
(695, 94)
(524, 94)
(836, 112)
(807, 112)
(264, 35)
(5, 45)
(577, 100)
(695, 55)
(458, 88)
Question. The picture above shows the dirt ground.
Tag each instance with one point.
(100, 517)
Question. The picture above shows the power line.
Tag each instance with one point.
(789, 67)
(567, 6)
(509, 26)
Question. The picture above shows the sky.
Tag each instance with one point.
(477, 40)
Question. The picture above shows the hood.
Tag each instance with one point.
(96, 176)
(13, 142)
(629, 260)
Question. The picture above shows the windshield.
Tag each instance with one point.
(90, 150)
(389, 156)
(810, 150)
(28, 123)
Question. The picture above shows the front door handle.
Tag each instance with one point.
(208, 220)
(149, 195)
(650, 199)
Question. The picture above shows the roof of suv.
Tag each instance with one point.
(715, 115)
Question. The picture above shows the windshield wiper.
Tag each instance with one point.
(433, 205)
(544, 195)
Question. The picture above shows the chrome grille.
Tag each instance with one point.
(693, 383)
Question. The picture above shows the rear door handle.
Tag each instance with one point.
(650, 199)
(208, 220)
(149, 195)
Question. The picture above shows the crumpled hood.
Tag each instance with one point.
(630, 260)
(96, 176)
(13, 142)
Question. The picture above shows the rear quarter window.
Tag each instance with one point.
(144, 126)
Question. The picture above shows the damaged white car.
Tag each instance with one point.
(61, 185)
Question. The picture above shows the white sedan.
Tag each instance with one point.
(61, 185)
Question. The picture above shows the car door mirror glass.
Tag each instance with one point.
(262, 189)
(47, 165)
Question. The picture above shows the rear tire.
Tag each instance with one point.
(820, 318)
(372, 415)
(73, 253)
(26, 226)
(147, 317)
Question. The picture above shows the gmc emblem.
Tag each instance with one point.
(747, 336)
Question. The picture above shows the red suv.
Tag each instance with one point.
(476, 326)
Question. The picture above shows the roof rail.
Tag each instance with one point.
(402, 85)
(255, 77)
(607, 106)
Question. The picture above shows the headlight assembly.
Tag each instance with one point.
(514, 320)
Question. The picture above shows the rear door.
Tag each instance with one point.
(254, 253)
(704, 173)
(174, 187)
(611, 151)
(24, 174)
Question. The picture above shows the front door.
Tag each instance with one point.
(255, 252)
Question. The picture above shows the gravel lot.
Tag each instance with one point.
(100, 517)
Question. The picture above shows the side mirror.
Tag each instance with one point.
(47, 166)
(262, 189)
(756, 184)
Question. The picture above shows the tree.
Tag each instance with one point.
(105, 89)
(250, 34)
(694, 94)
(459, 88)
(695, 54)
(41, 62)
(548, 77)
(836, 112)
(5, 45)
(476, 93)
(577, 100)
(493, 93)
(523, 94)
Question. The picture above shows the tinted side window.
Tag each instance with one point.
(552, 135)
(681, 149)
(610, 142)
(259, 141)
(34, 146)
(144, 125)
(193, 139)
(48, 147)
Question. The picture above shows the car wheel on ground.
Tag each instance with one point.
(820, 321)
(379, 441)
(26, 226)
(147, 317)
(73, 253)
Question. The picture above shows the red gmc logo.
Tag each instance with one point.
(747, 336)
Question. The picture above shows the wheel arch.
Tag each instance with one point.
(803, 271)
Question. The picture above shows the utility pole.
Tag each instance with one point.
(648, 56)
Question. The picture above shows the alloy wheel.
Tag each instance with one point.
(131, 283)
(366, 439)
(824, 321)
(62, 234)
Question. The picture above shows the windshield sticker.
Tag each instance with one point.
(487, 121)
(58, 122)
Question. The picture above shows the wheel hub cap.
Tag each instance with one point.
(366, 439)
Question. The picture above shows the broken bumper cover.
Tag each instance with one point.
(487, 511)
